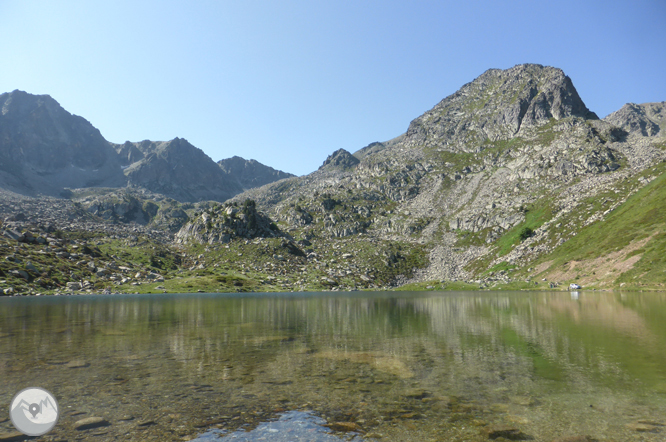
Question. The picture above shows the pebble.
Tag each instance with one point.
(575, 439)
(495, 432)
(77, 364)
(91, 422)
(342, 426)
(644, 426)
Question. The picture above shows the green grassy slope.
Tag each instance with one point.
(627, 249)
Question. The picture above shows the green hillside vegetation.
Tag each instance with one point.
(627, 249)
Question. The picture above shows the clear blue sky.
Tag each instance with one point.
(288, 82)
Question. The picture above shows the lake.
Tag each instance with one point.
(389, 366)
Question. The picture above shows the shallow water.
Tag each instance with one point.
(372, 366)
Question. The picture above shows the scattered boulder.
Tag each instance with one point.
(20, 274)
(292, 248)
(15, 235)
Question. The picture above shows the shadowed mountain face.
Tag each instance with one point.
(646, 120)
(44, 148)
(179, 170)
(251, 173)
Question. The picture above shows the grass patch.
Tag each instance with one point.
(640, 217)
(535, 216)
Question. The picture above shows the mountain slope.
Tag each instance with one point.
(510, 183)
(490, 179)
(178, 170)
(627, 248)
(251, 173)
(646, 120)
(44, 148)
(498, 105)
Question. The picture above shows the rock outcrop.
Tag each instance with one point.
(134, 207)
(340, 159)
(222, 223)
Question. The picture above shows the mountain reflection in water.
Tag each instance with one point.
(397, 366)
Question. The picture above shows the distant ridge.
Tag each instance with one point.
(251, 173)
(44, 150)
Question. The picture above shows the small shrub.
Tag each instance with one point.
(525, 233)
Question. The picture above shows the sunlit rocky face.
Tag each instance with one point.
(465, 366)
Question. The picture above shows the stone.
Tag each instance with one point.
(643, 427)
(90, 422)
(15, 235)
(73, 286)
(20, 274)
(416, 393)
(77, 364)
(575, 439)
(13, 436)
(343, 426)
(511, 433)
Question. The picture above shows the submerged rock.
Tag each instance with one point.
(91, 422)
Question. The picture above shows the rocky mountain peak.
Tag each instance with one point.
(179, 170)
(498, 105)
(646, 120)
(49, 137)
(39, 138)
(251, 173)
(340, 159)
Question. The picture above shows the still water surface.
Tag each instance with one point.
(326, 367)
